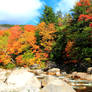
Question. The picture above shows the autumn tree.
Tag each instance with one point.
(80, 34)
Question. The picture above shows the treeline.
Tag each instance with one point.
(6, 25)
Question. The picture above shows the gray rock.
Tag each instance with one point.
(35, 66)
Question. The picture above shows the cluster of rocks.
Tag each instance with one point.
(37, 80)
(25, 80)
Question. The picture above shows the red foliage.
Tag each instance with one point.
(0, 61)
(90, 25)
(74, 61)
(79, 4)
(25, 66)
(84, 3)
(84, 17)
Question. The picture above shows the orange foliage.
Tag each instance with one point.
(1, 32)
(29, 28)
(47, 35)
(68, 47)
(22, 40)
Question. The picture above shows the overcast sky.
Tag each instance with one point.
(28, 11)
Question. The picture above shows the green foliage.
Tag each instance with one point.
(48, 16)
(10, 66)
(4, 40)
(74, 39)
(58, 48)
(67, 19)
(6, 25)
(38, 37)
(27, 55)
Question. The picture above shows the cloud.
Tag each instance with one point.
(65, 5)
(19, 11)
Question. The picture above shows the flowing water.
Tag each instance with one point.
(80, 85)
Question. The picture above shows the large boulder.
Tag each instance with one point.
(57, 86)
(11, 88)
(20, 80)
(21, 77)
(4, 74)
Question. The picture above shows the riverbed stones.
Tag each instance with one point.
(83, 76)
(54, 71)
(23, 80)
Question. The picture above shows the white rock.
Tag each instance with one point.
(22, 77)
(89, 77)
(11, 88)
(57, 86)
(48, 79)
(20, 80)
(30, 89)
(37, 71)
(4, 74)
(54, 71)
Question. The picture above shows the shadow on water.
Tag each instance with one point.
(88, 89)
(82, 85)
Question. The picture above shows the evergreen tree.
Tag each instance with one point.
(48, 15)
(59, 17)
(59, 14)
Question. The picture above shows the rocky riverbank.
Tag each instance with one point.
(37, 80)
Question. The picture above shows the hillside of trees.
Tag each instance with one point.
(65, 40)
